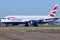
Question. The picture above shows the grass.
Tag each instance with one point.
(29, 28)
(33, 29)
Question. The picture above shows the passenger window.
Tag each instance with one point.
(8, 18)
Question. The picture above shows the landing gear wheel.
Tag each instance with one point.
(26, 24)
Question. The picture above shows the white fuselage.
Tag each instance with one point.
(24, 18)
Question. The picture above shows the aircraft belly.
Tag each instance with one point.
(13, 22)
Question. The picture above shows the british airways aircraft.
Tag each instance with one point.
(31, 20)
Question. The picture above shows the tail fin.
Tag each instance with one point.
(53, 12)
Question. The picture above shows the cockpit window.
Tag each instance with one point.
(6, 18)
(3, 18)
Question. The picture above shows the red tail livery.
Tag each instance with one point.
(53, 12)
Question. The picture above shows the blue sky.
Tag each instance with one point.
(27, 7)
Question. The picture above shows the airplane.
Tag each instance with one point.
(30, 20)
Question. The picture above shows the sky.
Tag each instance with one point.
(27, 7)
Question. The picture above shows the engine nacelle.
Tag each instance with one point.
(33, 22)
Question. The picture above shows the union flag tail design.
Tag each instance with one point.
(53, 12)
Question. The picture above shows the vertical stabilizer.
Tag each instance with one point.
(53, 12)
